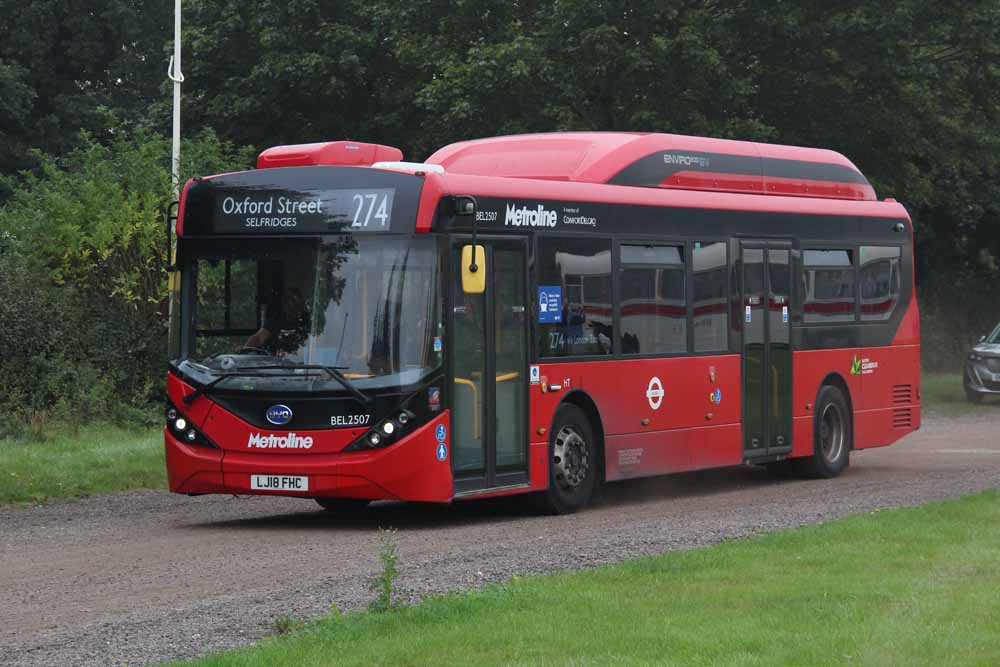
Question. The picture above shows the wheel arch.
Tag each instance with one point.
(837, 380)
(585, 402)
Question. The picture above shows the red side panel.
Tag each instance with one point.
(811, 369)
(889, 406)
(647, 433)
(884, 391)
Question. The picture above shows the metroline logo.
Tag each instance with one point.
(526, 217)
(271, 441)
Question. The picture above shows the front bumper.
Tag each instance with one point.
(406, 470)
(981, 379)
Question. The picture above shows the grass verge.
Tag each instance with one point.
(97, 459)
(941, 394)
(905, 587)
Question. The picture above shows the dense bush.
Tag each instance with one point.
(83, 281)
(70, 355)
(951, 321)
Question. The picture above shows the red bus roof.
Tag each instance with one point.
(661, 161)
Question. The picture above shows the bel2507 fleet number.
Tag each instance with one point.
(350, 420)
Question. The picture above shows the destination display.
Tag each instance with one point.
(305, 200)
(360, 210)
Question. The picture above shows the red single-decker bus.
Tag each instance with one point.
(537, 313)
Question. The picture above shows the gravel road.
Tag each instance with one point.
(145, 577)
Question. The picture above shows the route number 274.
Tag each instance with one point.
(370, 208)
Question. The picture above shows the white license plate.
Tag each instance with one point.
(279, 483)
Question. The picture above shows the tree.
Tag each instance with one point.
(67, 65)
(95, 219)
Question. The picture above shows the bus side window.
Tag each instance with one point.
(828, 285)
(709, 276)
(652, 303)
(879, 280)
(575, 272)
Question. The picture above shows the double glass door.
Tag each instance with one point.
(765, 285)
(489, 361)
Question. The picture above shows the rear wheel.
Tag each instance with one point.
(342, 505)
(573, 461)
(833, 435)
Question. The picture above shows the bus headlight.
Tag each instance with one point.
(384, 433)
(183, 430)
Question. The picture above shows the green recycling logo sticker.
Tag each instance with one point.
(856, 365)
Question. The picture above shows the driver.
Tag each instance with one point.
(286, 328)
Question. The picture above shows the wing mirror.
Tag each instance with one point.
(473, 269)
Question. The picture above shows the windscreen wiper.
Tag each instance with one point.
(204, 389)
(334, 372)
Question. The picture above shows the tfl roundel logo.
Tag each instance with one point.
(279, 415)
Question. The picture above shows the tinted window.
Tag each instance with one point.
(653, 307)
(828, 285)
(226, 303)
(879, 278)
(579, 271)
(709, 275)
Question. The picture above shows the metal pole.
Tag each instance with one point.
(175, 75)
(174, 72)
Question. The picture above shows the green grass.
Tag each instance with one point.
(941, 394)
(905, 587)
(64, 465)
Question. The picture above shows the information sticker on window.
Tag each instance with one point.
(549, 304)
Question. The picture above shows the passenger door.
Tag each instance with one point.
(765, 289)
(489, 362)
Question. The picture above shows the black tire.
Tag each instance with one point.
(973, 397)
(833, 435)
(342, 505)
(573, 462)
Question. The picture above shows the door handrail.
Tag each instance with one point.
(475, 404)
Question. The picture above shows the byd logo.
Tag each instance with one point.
(279, 414)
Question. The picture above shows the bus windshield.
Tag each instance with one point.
(270, 311)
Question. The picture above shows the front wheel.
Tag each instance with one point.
(833, 435)
(573, 461)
